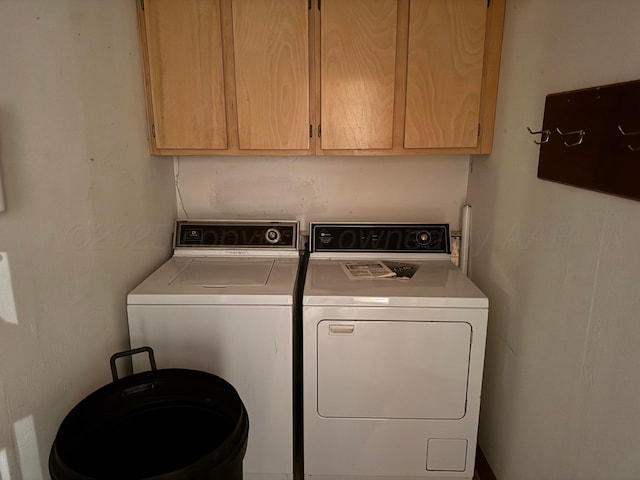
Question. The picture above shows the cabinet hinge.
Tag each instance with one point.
(142, 5)
(488, 3)
(319, 131)
(478, 129)
(153, 130)
(309, 4)
(319, 4)
(310, 131)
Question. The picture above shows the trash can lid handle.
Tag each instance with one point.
(129, 353)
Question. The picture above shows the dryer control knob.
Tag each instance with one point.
(272, 235)
(423, 237)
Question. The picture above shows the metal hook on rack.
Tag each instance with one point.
(545, 135)
(581, 134)
(626, 134)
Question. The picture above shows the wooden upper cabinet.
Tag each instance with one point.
(357, 73)
(324, 77)
(226, 76)
(271, 52)
(185, 75)
(444, 73)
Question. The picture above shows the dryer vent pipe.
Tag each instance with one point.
(464, 242)
(2, 206)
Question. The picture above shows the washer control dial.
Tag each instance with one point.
(272, 235)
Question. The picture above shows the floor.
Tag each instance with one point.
(482, 472)
(483, 469)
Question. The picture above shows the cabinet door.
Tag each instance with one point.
(271, 52)
(444, 73)
(357, 78)
(185, 73)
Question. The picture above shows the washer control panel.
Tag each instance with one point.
(380, 237)
(238, 234)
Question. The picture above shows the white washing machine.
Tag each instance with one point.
(393, 351)
(225, 303)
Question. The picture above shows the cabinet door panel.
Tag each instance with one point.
(271, 50)
(186, 73)
(444, 75)
(358, 58)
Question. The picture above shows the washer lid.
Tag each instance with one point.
(225, 272)
(219, 281)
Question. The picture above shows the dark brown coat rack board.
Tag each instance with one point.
(590, 138)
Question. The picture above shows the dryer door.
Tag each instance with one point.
(393, 369)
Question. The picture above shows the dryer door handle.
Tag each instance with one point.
(341, 329)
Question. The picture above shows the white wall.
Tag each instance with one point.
(559, 264)
(89, 213)
(428, 188)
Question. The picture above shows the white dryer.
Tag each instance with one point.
(393, 352)
(225, 303)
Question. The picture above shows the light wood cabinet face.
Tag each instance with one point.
(271, 52)
(357, 78)
(186, 75)
(320, 77)
(444, 73)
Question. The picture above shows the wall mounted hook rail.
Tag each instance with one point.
(606, 119)
(545, 136)
(580, 133)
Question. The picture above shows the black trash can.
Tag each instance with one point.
(166, 424)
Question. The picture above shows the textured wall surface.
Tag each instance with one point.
(88, 212)
(559, 264)
(427, 188)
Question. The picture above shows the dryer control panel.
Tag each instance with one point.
(238, 234)
(380, 237)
